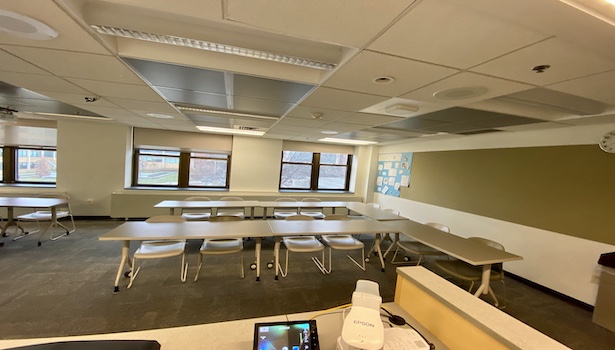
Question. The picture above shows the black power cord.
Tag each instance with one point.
(400, 321)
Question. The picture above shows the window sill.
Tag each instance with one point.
(156, 188)
(28, 185)
(316, 191)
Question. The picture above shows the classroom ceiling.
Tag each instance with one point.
(308, 70)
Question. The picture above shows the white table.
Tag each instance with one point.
(10, 203)
(472, 252)
(139, 231)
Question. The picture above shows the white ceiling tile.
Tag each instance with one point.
(604, 119)
(343, 127)
(368, 119)
(358, 74)
(112, 112)
(446, 33)
(325, 114)
(566, 61)
(36, 83)
(496, 87)
(201, 9)
(534, 126)
(104, 88)
(11, 63)
(153, 107)
(71, 35)
(78, 65)
(286, 121)
(599, 87)
(348, 23)
(77, 99)
(340, 99)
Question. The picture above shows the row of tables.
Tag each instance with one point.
(382, 222)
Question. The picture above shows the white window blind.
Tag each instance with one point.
(35, 136)
(314, 147)
(192, 141)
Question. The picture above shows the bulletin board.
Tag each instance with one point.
(393, 173)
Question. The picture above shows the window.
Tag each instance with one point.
(180, 169)
(28, 165)
(315, 171)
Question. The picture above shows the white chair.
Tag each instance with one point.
(221, 246)
(344, 242)
(62, 211)
(303, 244)
(418, 248)
(374, 205)
(194, 214)
(240, 212)
(467, 272)
(316, 214)
(283, 213)
(160, 249)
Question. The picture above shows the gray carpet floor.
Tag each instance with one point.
(65, 287)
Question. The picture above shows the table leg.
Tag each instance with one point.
(378, 250)
(124, 261)
(257, 253)
(252, 213)
(10, 221)
(54, 217)
(393, 244)
(276, 255)
(484, 284)
(171, 211)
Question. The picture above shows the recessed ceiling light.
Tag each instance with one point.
(348, 142)
(329, 132)
(25, 27)
(231, 131)
(401, 109)
(225, 113)
(383, 80)
(461, 93)
(317, 115)
(159, 115)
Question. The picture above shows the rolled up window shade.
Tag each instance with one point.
(17, 135)
(298, 146)
(189, 141)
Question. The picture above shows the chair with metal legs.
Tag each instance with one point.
(418, 248)
(221, 246)
(194, 214)
(303, 244)
(344, 242)
(159, 249)
(316, 214)
(232, 211)
(470, 273)
(283, 213)
(62, 211)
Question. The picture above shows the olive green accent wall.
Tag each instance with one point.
(565, 189)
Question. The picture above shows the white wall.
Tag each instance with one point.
(563, 263)
(255, 164)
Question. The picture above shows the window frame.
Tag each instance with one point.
(315, 173)
(183, 176)
(10, 164)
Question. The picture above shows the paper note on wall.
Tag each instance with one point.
(397, 186)
(405, 180)
(380, 167)
(393, 172)
(379, 181)
(385, 189)
(387, 165)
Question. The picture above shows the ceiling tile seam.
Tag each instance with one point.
(513, 51)
(581, 77)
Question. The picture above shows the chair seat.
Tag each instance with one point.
(418, 248)
(231, 213)
(160, 249)
(43, 215)
(283, 214)
(464, 271)
(196, 216)
(343, 242)
(222, 246)
(314, 214)
(303, 244)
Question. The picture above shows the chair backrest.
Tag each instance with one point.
(237, 199)
(311, 199)
(200, 199)
(166, 218)
(495, 267)
(440, 227)
(392, 211)
(286, 199)
(337, 217)
(225, 218)
(374, 205)
(300, 217)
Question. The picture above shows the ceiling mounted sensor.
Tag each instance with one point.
(401, 109)
(461, 93)
(383, 80)
(25, 27)
(212, 47)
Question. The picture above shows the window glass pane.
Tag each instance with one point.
(297, 157)
(158, 170)
(36, 166)
(332, 177)
(333, 158)
(207, 172)
(296, 176)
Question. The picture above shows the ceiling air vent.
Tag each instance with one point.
(251, 128)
